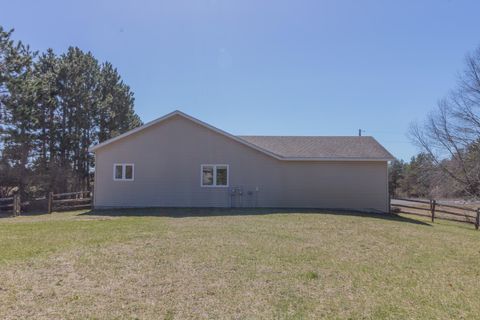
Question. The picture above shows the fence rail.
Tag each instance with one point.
(78, 193)
(11, 204)
(69, 200)
(4, 203)
(436, 210)
(413, 200)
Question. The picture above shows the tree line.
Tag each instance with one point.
(52, 109)
(420, 178)
(449, 140)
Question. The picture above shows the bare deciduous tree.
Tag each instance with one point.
(451, 133)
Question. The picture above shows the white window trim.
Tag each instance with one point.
(124, 171)
(214, 185)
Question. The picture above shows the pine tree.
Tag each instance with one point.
(47, 103)
(396, 174)
(115, 114)
(52, 109)
(16, 101)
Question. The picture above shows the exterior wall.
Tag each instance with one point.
(168, 157)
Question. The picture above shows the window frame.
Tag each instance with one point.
(214, 185)
(124, 171)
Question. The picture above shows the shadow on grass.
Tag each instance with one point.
(6, 214)
(215, 212)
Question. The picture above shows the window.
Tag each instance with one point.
(222, 176)
(123, 172)
(128, 172)
(207, 175)
(118, 172)
(214, 175)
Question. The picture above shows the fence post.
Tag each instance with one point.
(50, 202)
(477, 221)
(15, 205)
(389, 203)
(92, 197)
(19, 206)
(432, 209)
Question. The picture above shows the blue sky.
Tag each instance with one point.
(270, 67)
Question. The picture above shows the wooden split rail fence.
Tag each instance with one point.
(437, 210)
(11, 204)
(53, 202)
(69, 201)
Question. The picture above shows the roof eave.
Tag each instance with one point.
(334, 159)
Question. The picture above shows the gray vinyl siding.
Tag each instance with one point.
(168, 157)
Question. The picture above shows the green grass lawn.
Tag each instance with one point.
(202, 264)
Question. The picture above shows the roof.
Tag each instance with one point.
(290, 148)
(321, 147)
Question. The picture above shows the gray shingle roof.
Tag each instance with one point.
(349, 148)
(287, 147)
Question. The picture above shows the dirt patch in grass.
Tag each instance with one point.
(284, 266)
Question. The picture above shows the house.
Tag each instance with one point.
(180, 161)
